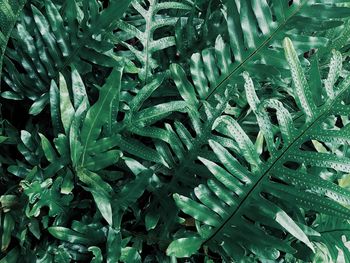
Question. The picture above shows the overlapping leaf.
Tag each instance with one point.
(264, 159)
(249, 195)
(50, 40)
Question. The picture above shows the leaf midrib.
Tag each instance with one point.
(256, 186)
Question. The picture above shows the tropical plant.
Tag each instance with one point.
(251, 199)
(145, 32)
(175, 131)
(52, 38)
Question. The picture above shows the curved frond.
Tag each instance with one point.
(255, 33)
(259, 189)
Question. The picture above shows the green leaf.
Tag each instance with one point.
(113, 245)
(55, 108)
(103, 160)
(184, 247)
(303, 94)
(104, 205)
(11, 257)
(7, 226)
(101, 112)
(39, 105)
(100, 190)
(334, 72)
(153, 114)
(7, 201)
(45, 194)
(66, 107)
(198, 211)
(130, 254)
(184, 86)
(78, 88)
(98, 258)
(130, 192)
(115, 11)
(69, 235)
(68, 183)
(145, 93)
(76, 148)
(326, 11)
(140, 150)
(49, 151)
(151, 219)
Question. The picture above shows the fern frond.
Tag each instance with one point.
(255, 33)
(142, 26)
(216, 78)
(267, 185)
(215, 72)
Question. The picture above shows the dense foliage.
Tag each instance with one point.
(175, 131)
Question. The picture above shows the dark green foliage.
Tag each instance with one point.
(142, 26)
(9, 12)
(52, 38)
(174, 131)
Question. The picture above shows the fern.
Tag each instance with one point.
(86, 42)
(216, 71)
(155, 144)
(244, 206)
(255, 31)
(152, 19)
(215, 68)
